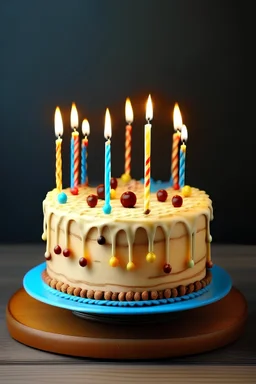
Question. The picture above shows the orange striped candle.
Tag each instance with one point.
(147, 142)
(128, 136)
(177, 123)
(76, 148)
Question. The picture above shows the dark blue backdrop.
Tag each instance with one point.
(97, 53)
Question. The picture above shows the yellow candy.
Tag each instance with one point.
(186, 191)
(112, 193)
(125, 177)
(130, 266)
(113, 262)
(151, 257)
(44, 237)
(191, 264)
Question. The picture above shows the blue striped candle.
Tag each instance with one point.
(84, 161)
(107, 133)
(182, 163)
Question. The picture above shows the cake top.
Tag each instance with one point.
(77, 208)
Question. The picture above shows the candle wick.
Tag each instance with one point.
(148, 120)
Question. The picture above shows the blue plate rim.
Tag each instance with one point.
(220, 286)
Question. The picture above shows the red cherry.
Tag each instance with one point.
(128, 199)
(57, 250)
(176, 187)
(92, 200)
(177, 201)
(83, 262)
(101, 191)
(113, 183)
(162, 195)
(74, 191)
(66, 252)
(167, 268)
(209, 264)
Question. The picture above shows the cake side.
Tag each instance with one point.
(127, 251)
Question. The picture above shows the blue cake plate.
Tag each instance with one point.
(34, 285)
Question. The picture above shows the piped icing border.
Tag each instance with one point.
(180, 291)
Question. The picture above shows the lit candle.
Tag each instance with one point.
(177, 123)
(184, 137)
(74, 161)
(58, 127)
(84, 153)
(147, 142)
(128, 138)
(107, 134)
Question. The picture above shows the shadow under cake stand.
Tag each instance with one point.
(40, 317)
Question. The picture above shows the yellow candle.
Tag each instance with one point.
(58, 125)
(147, 169)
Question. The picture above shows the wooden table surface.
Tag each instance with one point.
(234, 363)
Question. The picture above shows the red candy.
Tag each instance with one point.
(74, 191)
(57, 250)
(113, 183)
(176, 187)
(92, 200)
(83, 262)
(162, 195)
(177, 201)
(167, 268)
(66, 252)
(209, 264)
(128, 199)
(101, 191)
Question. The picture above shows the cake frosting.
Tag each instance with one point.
(127, 255)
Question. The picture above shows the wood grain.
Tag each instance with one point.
(235, 363)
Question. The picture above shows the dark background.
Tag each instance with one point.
(97, 53)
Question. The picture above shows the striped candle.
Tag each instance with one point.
(177, 122)
(84, 153)
(184, 136)
(147, 143)
(58, 132)
(128, 136)
(107, 133)
(71, 162)
(74, 148)
(76, 158)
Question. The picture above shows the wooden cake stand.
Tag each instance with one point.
(58, 330)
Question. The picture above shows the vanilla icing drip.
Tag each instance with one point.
(162, 215)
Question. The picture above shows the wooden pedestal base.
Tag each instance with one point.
(58, 330)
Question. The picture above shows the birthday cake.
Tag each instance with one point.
(126, 240)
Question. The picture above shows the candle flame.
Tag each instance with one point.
(74, 117)
(107, 129)
(86, 127)
(149, 109)
(177, 118)
(58, 124)
(128, 111)
(184, 133)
